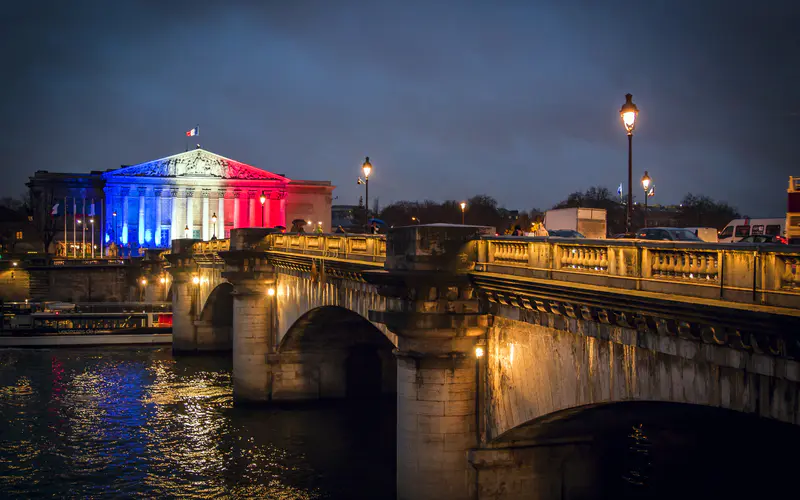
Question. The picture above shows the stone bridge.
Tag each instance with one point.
(501, 350)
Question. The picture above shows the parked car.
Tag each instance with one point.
(624, 236)
(666, 234)
(565, 233)
(762, 238)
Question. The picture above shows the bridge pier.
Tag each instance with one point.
(433, 311)
(184, 296)
(254, 313)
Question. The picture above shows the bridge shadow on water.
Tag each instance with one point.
(650, 450)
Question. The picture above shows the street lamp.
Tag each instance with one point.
(646, 181)
(262, 199)
(186, 231)
(214, 225)
(416, 219)
(91, 221)
(366, 167)
(114, 226)
(628, 112)
(144, 284)
(463, 209)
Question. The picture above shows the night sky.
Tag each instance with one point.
(517, 100)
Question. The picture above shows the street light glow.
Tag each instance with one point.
(367, 167)
(163, 280)
(262, 198)
(629, 112)
(479, 352)
(214, 218)
(646, 180)
(144, 282)
(463, 206)
(196, 280)
(270, 291)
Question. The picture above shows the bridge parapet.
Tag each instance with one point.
(363, 247)
(759, 274)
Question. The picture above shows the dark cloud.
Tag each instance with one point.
(511, 99)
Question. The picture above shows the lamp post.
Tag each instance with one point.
(628, 112)
(214, 225)
(366, 167)
(114, 226)
(416, 219)
(646, 181)
(91, 221)
(163, 281)
(83, 238)
(463, 210)
(263, 199)
(143, 282)
(186, 231)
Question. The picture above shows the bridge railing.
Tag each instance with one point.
(363, 247)
(759, 274)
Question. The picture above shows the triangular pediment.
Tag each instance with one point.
(196, 163)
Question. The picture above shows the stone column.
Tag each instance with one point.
(206, 215)
(157, 235)
(236, 209)
(221, 215)
(124, 215)
(251, 199)
(141, 216)
(282, 209)
(174, 224)
(189, 215)
(254, 325)
(185, 296)
(437, 320)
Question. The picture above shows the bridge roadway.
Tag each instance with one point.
(574, 335)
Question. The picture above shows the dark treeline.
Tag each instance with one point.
(693, 211)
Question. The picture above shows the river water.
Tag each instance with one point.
(136, 422)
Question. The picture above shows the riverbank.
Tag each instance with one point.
(85, 340)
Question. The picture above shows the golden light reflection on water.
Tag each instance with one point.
(137, 423)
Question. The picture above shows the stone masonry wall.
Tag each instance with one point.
(84, 284)
(539, 363)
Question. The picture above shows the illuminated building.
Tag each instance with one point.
(150, 204)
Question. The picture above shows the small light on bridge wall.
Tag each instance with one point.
(196, 280)
(479, 352)
(163, 280)
(270, 291)
(144, 282)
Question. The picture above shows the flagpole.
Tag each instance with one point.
(83, 230)
(65, 237)
(74, 236)
(92, 226)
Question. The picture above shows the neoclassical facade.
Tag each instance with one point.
(195, 194)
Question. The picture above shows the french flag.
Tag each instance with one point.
(193, 132)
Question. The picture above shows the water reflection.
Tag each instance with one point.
(136, 422)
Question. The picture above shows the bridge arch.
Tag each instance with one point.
(215, 322)
(331, 352)
(639, 449)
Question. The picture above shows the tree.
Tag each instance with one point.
(40, 206)
(702, 211)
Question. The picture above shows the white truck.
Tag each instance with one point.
(590, 222)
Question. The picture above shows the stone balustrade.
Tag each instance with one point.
(760, 274)
(364, 247)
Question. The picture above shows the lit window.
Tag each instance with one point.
(19, 235)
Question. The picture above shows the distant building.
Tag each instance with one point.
(346, 216)
(149, 204)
